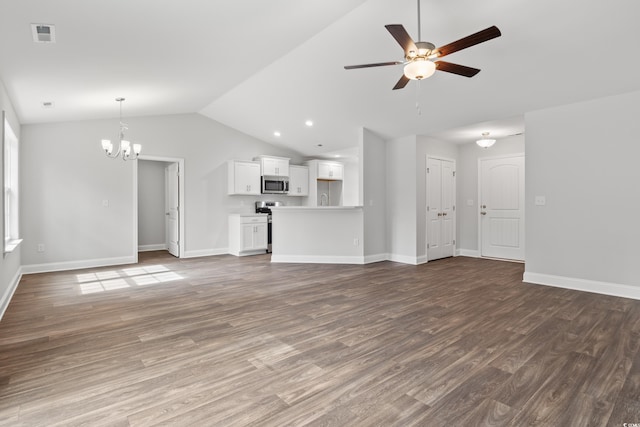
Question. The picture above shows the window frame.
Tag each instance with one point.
(10, 185)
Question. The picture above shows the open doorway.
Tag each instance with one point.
(160, 205)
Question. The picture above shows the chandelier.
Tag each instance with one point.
(125, 148)
(485, 141)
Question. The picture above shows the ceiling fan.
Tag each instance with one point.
(418, 56)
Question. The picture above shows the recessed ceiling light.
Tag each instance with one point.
(276, 133)
(319, 145)
(308, 123)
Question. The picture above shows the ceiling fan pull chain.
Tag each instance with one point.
(418, 109)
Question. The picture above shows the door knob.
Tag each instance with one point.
(439, 213)
(483, 213)
(444, 214)
(484, 206)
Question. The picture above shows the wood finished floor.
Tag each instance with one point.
(226, 341)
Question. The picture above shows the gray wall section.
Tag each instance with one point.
(373, 193)
(151, 202)
(584, 159)
(401, 198)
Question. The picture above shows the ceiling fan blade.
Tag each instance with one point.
(402, 37)
(377, 64)
(472, 40)
(461, 70)
(401, 83)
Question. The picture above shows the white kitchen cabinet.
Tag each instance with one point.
(243, 177)
(325, 183)
(330, 170)
(298, 180)
(247, 234)
(273, 166)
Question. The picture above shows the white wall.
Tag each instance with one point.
(584, 159)
(467, 187)
(9, 263)
(68, 177)
(401, 199)
(151, 204)
(372, 194)
(351, 183)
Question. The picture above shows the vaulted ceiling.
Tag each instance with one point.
(264, 66)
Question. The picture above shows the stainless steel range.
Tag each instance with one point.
(265, 207)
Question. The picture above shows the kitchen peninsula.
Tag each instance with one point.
(323, 234)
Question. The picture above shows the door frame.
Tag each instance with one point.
(455, 200)
(181, 215)
(479, 222)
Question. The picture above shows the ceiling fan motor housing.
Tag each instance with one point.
(424, 50)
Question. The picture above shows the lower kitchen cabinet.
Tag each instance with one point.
(247, 234)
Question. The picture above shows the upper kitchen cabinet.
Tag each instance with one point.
(325, 183)
(298, 180)
(330, 170)
(243, 177)
(273, 166)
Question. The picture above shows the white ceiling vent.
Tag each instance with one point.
(43, 33)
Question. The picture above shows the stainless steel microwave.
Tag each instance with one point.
(275, 184)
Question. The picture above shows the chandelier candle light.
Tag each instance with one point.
(124, 147)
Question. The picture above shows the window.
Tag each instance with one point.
(10, 201)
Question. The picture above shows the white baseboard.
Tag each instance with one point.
(8, 293)
(204, 252)
(320, 259)
(468, 252)
(149, 248)
(368, 259)
(613, 289)
(406, 259)
(76, 265)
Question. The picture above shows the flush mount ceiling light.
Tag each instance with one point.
(485, 141)
(276, 133)
(124, 146)
(308, 123)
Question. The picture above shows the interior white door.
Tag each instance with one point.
(172, 174)
(440, 208)
(502, 207)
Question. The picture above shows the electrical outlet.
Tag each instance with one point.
(540, 201)
(105, 203)
(40, 247)
(356, 241)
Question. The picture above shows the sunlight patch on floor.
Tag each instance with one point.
(91, 283)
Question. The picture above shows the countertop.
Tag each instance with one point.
(315, 208)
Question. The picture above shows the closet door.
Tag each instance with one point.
(441, 215)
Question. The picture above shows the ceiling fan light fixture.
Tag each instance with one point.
(419, 69)
(485, 141)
